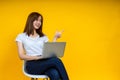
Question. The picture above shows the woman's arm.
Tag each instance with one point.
(57, 35)
(23, 56)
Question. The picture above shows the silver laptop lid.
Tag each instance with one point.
(53, 49)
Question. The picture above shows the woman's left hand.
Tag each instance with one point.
(57, 35)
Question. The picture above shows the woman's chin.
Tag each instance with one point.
(37, 27)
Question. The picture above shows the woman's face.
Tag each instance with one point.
(37, 23)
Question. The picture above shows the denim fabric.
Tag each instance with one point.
(53, 74)
(51, 67)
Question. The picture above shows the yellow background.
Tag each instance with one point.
(91, 30)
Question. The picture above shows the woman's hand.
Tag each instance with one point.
(57, 35)
(38, 57)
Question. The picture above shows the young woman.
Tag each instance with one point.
(30, 45)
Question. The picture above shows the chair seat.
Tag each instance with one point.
(35, 76)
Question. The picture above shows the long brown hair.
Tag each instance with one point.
(29, 24)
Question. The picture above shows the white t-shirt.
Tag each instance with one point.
(32, 46)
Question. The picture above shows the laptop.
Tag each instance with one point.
(53, 49)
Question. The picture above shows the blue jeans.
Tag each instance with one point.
(53, 67)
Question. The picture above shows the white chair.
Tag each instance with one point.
(34, 77)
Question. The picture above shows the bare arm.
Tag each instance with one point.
(23, 56)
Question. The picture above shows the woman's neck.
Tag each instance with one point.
(34, 34)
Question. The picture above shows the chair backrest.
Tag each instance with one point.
(31, 75)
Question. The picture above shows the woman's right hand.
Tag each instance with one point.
(38, 57)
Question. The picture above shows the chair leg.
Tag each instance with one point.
(37, 79)
(45, 79)
(32, 78)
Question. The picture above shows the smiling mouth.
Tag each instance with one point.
(37, 25)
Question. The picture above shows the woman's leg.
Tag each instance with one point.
(53, 74)
(41, 66)
(60, 67)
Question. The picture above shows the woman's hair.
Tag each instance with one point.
(29, 29)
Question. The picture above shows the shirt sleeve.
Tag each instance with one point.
(46, 39)
(19, 38)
